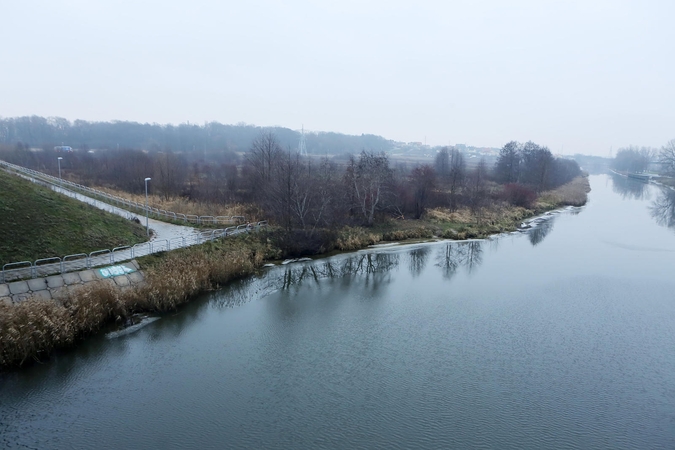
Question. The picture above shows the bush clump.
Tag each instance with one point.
(518, 195)
(296, 243)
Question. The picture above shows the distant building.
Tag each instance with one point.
(63, 148)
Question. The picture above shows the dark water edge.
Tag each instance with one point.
(558, 338)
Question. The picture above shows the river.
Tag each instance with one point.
(562, 337)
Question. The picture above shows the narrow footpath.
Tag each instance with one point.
(164, 237)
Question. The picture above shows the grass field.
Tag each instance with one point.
(36, 222)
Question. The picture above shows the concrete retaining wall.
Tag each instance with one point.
(56, 287)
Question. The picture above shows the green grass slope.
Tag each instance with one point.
(36, 222)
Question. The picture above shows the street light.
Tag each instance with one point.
(59, 161)
(147, 230)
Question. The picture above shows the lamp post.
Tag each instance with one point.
(147, 230)
(59, 161)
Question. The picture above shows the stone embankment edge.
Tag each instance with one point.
(57, 287)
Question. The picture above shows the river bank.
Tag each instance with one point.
(511, 342)
(31, 329)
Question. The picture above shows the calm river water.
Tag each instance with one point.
(563, 337)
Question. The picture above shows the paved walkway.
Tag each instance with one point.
(164, 237)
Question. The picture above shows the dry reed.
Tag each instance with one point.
(182, 205)
(573, 193)
(33, 328)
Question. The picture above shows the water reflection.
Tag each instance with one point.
(663, 208)
(538, 233)
(629, 189)
(417, 260)
(455, 255)
(375, 266)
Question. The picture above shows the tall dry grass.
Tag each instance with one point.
(184, 206)
(573, 193)
(354, 238)
(30, 330)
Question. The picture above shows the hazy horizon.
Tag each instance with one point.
(576, 77)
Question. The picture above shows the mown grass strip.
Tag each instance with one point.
(36, 222)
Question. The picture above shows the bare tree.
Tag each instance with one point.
(367, 181)
(423, 179)
(477, 189)
(326, 187)
(667, 158)
(279, 193)
(456, 177)
(264, 154)
(170, 174)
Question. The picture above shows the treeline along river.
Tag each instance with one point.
(561, 337)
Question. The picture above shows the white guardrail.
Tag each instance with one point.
(82, 261)
(119, 201)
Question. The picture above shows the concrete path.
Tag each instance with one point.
(164, 237)
(159, 230)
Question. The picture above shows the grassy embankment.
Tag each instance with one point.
(32, 329)
(36, 222)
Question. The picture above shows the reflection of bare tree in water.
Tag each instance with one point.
(376, 267)
(538, 233)
(454, 255)
(239, 292)
(449, 259)
(629, 188)
(663, 208)
(474, 257)
(417, 260)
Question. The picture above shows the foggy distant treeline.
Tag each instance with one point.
(41, 132)
(633, 159)
(313, 193)
(639, 159)
(534, 166)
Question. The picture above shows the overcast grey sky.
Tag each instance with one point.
(574, 75)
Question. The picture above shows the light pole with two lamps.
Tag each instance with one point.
(147, 230)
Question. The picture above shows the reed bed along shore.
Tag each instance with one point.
(574, 193)
(32, 329)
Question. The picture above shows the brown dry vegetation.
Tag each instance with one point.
(573, 193)
(32, 329)
(499, 217)
(181, 205)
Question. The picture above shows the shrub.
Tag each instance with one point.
(297, 243)
(519, 195)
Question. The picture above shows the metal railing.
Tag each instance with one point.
(155, 213)
(80, 261)
(70, 263)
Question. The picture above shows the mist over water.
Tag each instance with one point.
(561, 337)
